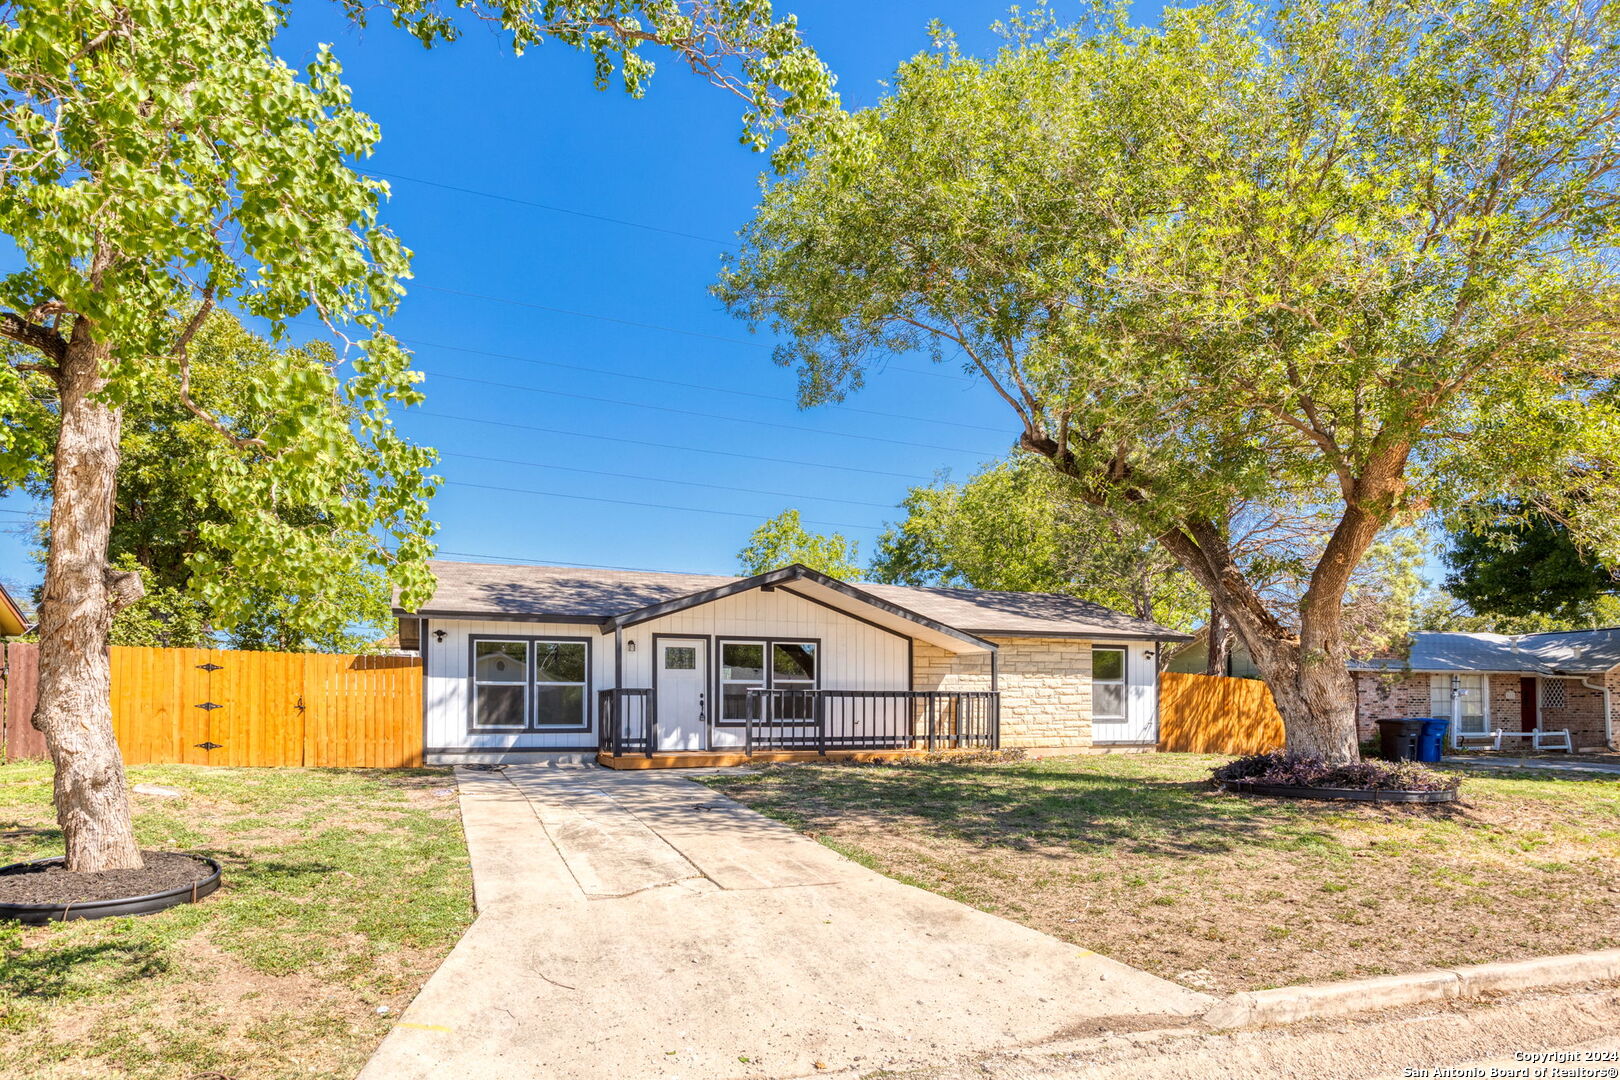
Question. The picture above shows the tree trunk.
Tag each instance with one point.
(75, 616)
(1219, 643)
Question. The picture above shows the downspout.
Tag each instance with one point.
(1608, 722)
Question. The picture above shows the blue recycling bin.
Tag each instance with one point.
(1432, 742)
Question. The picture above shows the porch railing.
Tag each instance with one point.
(823, 720)
(627, 722)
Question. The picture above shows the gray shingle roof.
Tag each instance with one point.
(1572, 652)
(472, 590)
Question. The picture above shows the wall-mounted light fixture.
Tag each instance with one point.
(438, 635)
(630, 645)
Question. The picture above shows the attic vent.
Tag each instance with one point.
(1552, 694)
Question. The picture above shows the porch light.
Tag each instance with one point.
(630, 645)
(438, 635)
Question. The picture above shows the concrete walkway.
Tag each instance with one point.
(638, 925)
(1549, 764)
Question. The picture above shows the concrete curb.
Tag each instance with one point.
(1263, 1008)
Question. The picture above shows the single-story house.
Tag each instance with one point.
(544, 659)
(1486, 683)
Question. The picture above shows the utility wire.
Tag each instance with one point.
(648, 505)
(666, 480)
(587, 566)
(647, 325)
(709, 388)
(667, 446)
(711, 416)
(554, 208)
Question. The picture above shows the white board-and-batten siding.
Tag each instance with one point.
(853, 656)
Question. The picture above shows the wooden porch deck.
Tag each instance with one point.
(721, 759)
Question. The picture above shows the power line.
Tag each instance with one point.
(840, 406)
(555, 209)
(665, 480)
(712, 416)
(648, 505)
(667, 446)
(587, 566)
(645, 325)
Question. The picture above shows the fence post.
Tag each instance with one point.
(932, 719)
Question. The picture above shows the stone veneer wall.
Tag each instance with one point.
(1045, 686)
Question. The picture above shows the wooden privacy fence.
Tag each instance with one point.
(224, 707)
(1211, 714)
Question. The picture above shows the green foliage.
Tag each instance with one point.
(165, 616)
(174, 479)
(162, 161)
(1440, 610)
(1015, 526)
(1355, 257)
(1524, 563)
(783, 541)
(739, 45)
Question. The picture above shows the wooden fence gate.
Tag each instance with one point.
(1217, 714)
(227, 707)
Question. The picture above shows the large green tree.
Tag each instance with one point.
(783, 541)
(160, 161)
(1352, 256)
(1521, 563)
(175, 475)
(1015, 526)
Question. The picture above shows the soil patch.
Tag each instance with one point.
(53, 883)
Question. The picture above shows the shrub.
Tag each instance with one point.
(1304, 770)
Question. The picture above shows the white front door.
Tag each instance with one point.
(682, 683)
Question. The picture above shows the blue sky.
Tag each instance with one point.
(574, 360)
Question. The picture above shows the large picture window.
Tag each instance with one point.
(761, 665)
(1108, 684)
(530, 684)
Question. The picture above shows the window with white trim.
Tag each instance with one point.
(1107, 684)
(530, 684)
(1461, 699)
(762, 665)
(500, 685)
(560, 683)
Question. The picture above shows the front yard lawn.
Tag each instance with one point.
(343, 891)
(1135, 857)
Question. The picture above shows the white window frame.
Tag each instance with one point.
(768, 671)
(1450, 683)
(472, 677)
(1123, 682)
(584, 685)
(531, 721)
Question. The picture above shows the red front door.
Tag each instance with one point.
(1527, 703)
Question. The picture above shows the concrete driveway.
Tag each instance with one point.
(640, 925)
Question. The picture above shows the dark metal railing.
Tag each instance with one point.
(823, 720)
(627, 722)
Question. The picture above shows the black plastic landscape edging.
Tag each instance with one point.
(36, 914)
(1294, 791)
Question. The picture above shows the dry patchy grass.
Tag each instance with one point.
(343, 891)
(1137, 858)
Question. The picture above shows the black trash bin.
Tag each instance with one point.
(1399, 740)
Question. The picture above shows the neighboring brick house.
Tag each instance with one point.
(1498, 682)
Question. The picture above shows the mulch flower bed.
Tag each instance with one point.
(53, 883)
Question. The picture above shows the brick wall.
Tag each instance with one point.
(1045, 686)
(1400, 696)
(1582, 714)
(1388, 697)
